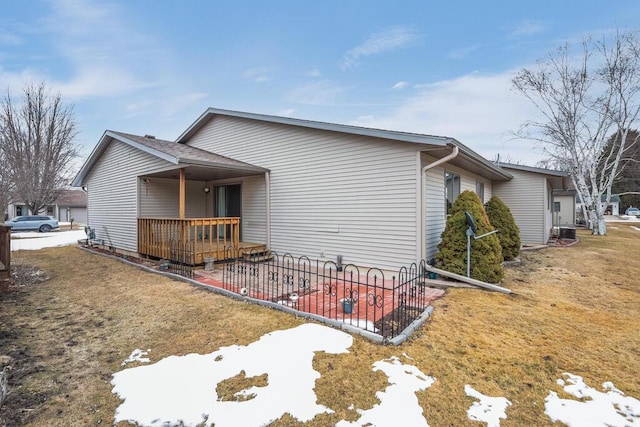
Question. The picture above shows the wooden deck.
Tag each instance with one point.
(192, 240)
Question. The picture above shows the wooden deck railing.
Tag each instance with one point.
(188, 240)
(5, 252)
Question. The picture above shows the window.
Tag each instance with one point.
(480, 190)
(451, 188)
(556, 206)
(18, 210)
(49, 210)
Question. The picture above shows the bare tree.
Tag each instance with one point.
(586, 99)
(37, 141)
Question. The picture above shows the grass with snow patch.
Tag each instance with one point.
(572, 310)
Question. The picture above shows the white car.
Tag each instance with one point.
(632, 212)
(43, 224)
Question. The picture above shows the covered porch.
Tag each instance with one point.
(205, 208)
(193, 240)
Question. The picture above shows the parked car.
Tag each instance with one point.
(632, 212)
(33, 222)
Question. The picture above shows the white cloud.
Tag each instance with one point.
(463, 52)
(400, 85)
(257, 75)
(9, 39)
(380, 42)
(321, 92)
(478, 110)
(315, 73)
(527, 28)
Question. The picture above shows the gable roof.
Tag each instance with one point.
(72, 199)
(355, 130)
(557, 179)
(467, 158)
(177, 154)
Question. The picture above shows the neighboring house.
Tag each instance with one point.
(613, 208)
(564, 208)
(374, 197)
(69, 204)
(529, 196)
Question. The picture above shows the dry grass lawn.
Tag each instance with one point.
(572, 310)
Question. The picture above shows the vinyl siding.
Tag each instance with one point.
(159, 197)
(112, 198)
(254, 213)
(526, 196)
(435, 212)
(435, 207)
(331, 194)
(567, 214)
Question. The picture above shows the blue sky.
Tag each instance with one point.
(439, 68)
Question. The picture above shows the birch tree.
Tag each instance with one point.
(586, 95)
(37, 143)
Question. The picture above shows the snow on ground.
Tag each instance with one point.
(595, 408)
(488, 409)
(183, 389)
(34, 240)
(621, 218)
(399, 400)
(137, 355)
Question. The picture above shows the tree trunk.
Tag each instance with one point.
(598, 225)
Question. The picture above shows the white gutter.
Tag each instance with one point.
(423, 220)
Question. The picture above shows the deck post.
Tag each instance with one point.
(182, 194)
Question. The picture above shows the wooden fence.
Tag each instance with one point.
(5, 253)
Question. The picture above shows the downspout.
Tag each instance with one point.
(267, 182)
(423, 220)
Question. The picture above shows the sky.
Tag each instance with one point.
(437, 68)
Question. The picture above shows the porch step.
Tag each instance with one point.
(262, 255)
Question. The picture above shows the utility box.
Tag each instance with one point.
(568, 233)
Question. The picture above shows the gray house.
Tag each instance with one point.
(529, 195)
(234, 179)
(70, 204)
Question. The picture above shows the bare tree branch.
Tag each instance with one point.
(37, 144)
(586, 98)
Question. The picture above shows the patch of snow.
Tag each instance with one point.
(399, 400)
(488, 409)
(137, 356)
(182, 389)
(47, 240)
(367, 325)
(635, 228)
(595, 408)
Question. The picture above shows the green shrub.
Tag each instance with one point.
(486, 253)
(502, 219)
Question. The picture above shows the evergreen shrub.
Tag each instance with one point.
(486, 253)
(502, 219)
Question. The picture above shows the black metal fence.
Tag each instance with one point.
(181, 256)
(364, 298)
